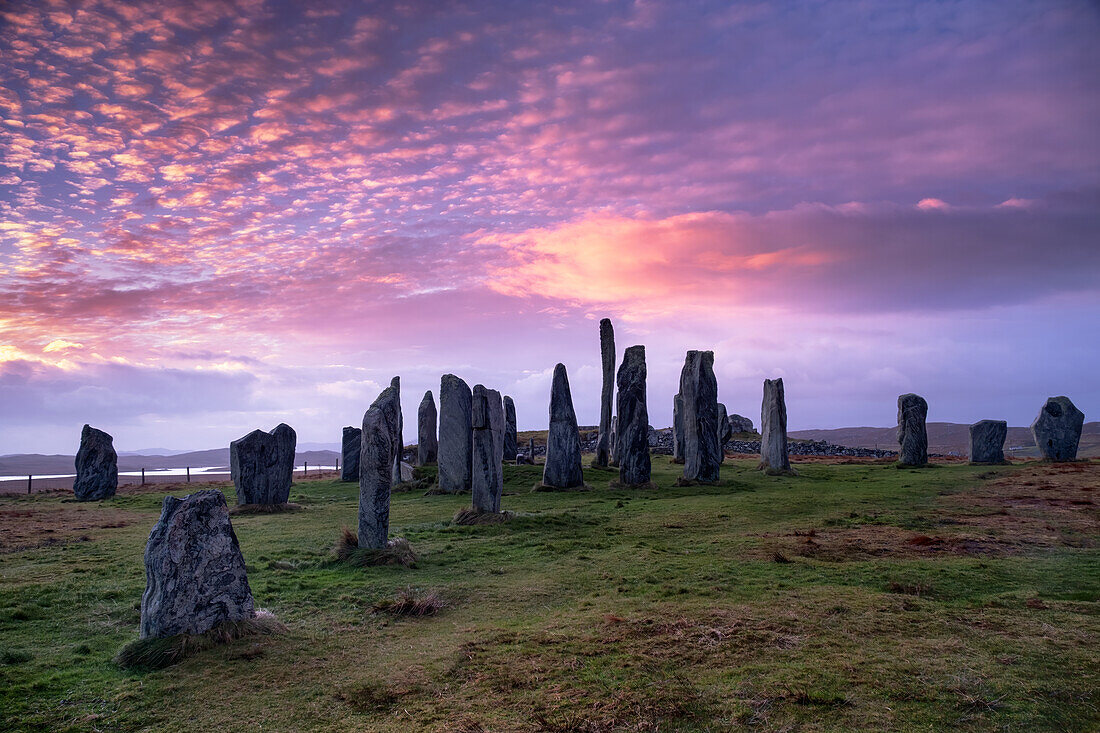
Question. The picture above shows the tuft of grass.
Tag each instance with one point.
(399, 552)
(14, 656)
(470, 516)
(411, 602)
(265, 508)
(152, 654)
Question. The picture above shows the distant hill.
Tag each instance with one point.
(36, 463)
(947, 438)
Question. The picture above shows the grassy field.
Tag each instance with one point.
(856, 596)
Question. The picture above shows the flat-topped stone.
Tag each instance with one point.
(987, 441)
(774, 457)
(454, 457)
(349, 453)
(699, 417)
(912, 430)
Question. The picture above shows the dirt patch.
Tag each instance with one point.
(28, 527)
(867, 542)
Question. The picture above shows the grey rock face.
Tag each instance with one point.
(607, 357)
(96, 466)
(987, 441)
(678, 428)
(258, 464)
(377, 457)
(531, 450)
(773, 428)
(613, 454)
(740, 424)
(633, 414)
(350, 447)
(510, 446)
(488, 478)
(563, 446)
(194, 572)
(699, 416)
(427, 445)
(398, 435)
(455, 460)
(912, 433)
(1057, 429)
(724, 431)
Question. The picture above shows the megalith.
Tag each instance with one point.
(286, 444)
(454, 434)
(912, 432)
(699, 418)
(563, 443)
(607, 358)
(96, 466)
(349, 453)
(194, 571)
(398, 434)
(987, 441)
(378, 448)
(633, 415)
(724, 431)
(773, 429)
(262, 465)
(678, 428)
(511, 448)
(487, 481)
(427, 444)
(1057, 429)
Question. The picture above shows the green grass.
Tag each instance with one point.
(810, 603)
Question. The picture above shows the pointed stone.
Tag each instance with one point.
(987, 441)
(912, 430)
(350, 447)
(724, 431)
(194, 572)
(633, 415)
(488, 436)
(427, 445)
(773, 429)
(1057, 429)
(699, 417)
(563, 443)
(378, 449)
(510, 446)
(286, 444)
(454, 434)
(607, 358)
(96, 466)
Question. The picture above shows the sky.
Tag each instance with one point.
(219, 215)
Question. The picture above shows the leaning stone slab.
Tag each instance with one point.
(511, 448)
(987, 441)
(912, 432)
(563, 446)
(607, 359)
(1057, 429)
(455, 459)
(633, 413)
(194, 572)
(427, 444)
(376, 466)
(774, 458)
(699, 418)
(349, 453)
(96, 466)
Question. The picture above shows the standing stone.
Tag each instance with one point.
(498, 424)
(633, 414)
(531, 450)
(194, 571)
(699, 417)
(454, 434)
(488, 479)
(613, 458)
(378, 448)
(563, 442)
(350, 448)
(286, 443)
(773, 429)
(912, 433)
(258, 465)
(607, 356)
(427, 445)
(724, 431)
(510, 447)
(96, 466)
(678, 428)
(1057, 429)
(987, 441)
(399, 434)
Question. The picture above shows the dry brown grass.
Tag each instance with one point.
(412, 602)
(399, 552)
(151, 654)
(40, 525)
(265, 508)
(470, 516)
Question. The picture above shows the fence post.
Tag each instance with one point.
(28, 484)
(142, 476)
(305, 469)
(188, 474)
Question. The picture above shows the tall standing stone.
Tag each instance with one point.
(607, 357)
(613, 458)
(563, 442)
(724, 431)
(286, 444)
(773, 429)
(376, 459)
(531, 450)
(398, 435)
(262, 465)
(987, 441)
(912, 432)
(454, 434)
(194, 571)
(510, 446)
(427, 445)
(96, 466)
(633, 415)
(699, 417)
(487, 442)
(1057, 429)
(678, 428)
(349, 453)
